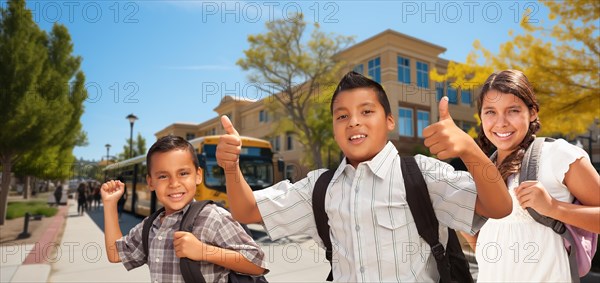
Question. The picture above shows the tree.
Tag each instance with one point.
(562, 62)
(55, 160)
(139, 148)
(295, 74)
(42, 93)
(319, 119)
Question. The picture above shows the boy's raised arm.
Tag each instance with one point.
(242, 203)
(111, 191)
(446, 140)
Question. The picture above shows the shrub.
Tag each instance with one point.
(18, 209)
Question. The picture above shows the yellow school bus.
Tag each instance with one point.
(256, 163)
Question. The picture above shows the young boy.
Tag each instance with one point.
(373, 233)
(217, 240)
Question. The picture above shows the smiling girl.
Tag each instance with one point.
(516, 247)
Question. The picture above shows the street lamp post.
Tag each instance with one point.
(107, 158)
(131, 119)
(107, 149)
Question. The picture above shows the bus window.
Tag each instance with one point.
(214, 176)
(258, 173)
(141, 177)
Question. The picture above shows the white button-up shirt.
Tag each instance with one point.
(373, 233)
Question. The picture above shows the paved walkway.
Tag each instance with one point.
(32, 262)
(80, 255)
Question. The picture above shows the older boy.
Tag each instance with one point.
(217, 240)
(372, 229)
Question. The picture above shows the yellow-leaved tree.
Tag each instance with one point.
(562, 62)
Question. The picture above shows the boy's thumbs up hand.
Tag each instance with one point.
(443, 109)
(229, 147)
(228, 126)
(444, 138)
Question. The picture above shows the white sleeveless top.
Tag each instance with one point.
(518, 249)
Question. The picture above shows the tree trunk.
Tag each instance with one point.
(26, 187)
(316, 153)
(6, 168)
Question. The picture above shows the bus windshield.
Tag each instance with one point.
(258, 173)
(255, 163)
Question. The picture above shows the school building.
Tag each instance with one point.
(399, 62)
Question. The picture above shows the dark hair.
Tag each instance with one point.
(169, 143)
(517, 84)
(353, 80)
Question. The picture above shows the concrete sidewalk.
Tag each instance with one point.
(30, 262)
(80, 257)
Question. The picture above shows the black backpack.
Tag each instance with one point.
(190, 269)
(451, 262)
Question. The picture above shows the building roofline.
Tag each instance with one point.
(392, 32)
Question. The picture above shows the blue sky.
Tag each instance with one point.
(152, 58)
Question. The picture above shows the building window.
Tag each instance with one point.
(290, 172)
(405, 122)
(263, 116)
(190, 136)
(289, 141)
(422, 75)
(452, 94)
(403, 70)
(360, 68)
(422, 121)
(465, 96)
(375, 69)
(211, 132)
(276, 143)
(439, 89)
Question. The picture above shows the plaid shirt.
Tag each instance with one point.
(213, 226)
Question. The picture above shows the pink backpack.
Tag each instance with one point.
(585, 246)
(580, 244)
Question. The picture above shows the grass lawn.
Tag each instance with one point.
(19, 208)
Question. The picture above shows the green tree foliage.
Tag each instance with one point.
(294, 73)
(562, 62)
(42, 98)
(319, 119)
(139, 148)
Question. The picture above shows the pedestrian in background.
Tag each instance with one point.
(121, 202)
(81, 198)
(58, 193)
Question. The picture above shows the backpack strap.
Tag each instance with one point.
(146, 230)
(321, 218)
(529, 172)
(421, 208)
(529, 165)
(190, 269)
